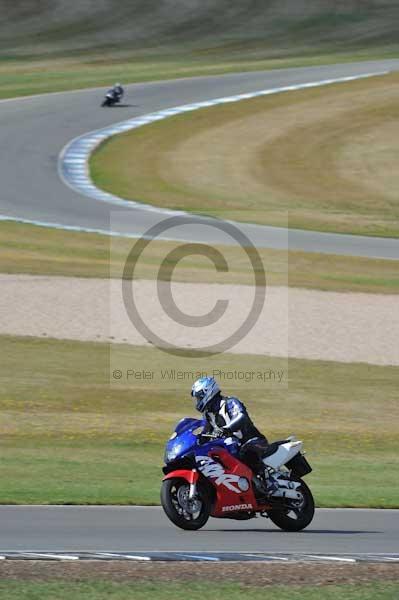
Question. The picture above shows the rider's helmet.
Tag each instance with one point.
(117, 85)
(204, 390)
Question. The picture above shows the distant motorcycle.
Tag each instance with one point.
(111, 98)
(205, 478)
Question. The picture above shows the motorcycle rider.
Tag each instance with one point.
(226, 416)
(117, 91)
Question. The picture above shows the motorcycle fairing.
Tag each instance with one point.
(191, 476)
(188, 423)
(182, 439)
(226, 473)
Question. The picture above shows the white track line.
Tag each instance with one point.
(274, 557)
(198, 556)
(78, 229)
(334, 558)
(52, 556)
(127, 556)
(262, 556)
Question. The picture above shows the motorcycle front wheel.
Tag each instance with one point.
(183, 512)
(295, 518)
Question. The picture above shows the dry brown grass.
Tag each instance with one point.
(249, 573)
(323, 158)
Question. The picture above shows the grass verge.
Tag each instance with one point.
(366, 576)
(41, 251)
(67, 436)
(324, 158)
(94, 590)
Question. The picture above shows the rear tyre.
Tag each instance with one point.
(180, 510)
(295, 518)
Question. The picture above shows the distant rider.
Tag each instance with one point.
(117, 91)
(227, 416)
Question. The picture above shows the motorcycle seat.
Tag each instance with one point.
(273, 447)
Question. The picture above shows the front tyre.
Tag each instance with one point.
(183, 512)
(295, 517)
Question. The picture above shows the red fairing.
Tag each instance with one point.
(188, 475)
(229, 497)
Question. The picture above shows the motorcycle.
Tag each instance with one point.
(111, 98)
(204, 477)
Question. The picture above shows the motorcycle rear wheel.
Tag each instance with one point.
(172, 491)
(300, 518)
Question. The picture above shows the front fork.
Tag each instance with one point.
(193, 488)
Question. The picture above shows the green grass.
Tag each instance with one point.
(81, 471)
(333, 170)
(67, 436)
(194, 590)
(42, 251)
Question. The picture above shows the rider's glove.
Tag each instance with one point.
(227, 432)
(219, 432)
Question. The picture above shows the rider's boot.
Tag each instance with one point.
(271, 484)
(265, 484)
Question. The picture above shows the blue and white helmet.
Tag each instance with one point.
(203, 390)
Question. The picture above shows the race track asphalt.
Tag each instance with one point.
(140, 529)
(34, 131)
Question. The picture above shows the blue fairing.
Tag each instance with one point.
(184, 442)
(188, 424)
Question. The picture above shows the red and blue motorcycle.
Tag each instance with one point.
(204, 477)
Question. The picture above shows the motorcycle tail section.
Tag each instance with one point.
(283, 454)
